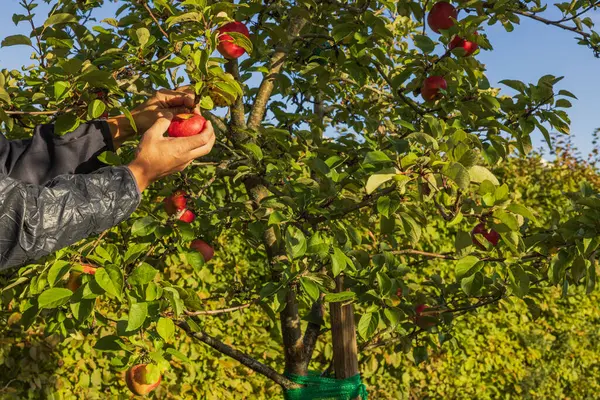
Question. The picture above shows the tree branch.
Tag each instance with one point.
(531, 15)
(145, 4)
(243, 358)
(238, 114)
(292, 335)
(267, 85)
(220, 311)
(313, 330)
(39, 112)
(398, 93)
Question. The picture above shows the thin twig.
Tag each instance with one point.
(220, 311)
(145, 4)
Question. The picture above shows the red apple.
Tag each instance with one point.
(187, 217)
(226, 46)
(175, 202)
(137, 382)
(479, 229)
(420, 308)
(74, 281)
(202, 247)
(459, 43)
(431, 87)
(440, 16)
(493, 237)
(423, 321)
(184, 125)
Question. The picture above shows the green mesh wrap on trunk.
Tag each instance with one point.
(320, 388)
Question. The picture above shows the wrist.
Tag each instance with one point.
(139, 172)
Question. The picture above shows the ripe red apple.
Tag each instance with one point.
(493, 237)
(431, 87)
(184, 125)
(187, 217)
(420, 308)
(467, 46)
(74, 281)
(423, 321)
(175, 202)
(136, 380)
(490, 235)
(226, 46)
(440, 16)
(202, 247)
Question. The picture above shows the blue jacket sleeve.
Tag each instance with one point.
(37, 220)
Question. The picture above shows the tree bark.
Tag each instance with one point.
(343, 332)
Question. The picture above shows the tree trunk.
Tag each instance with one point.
(345, 352)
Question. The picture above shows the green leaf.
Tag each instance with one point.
(472, 284)
(377, 180)
(522, 210)
(368, 325)
(66, 123)
(254, 150)
(459, 174)
(61, 18)
(58, 270)
(53, 298)
(15, 40)
(426, 140)
(338, 261)
(60, 88)
(424, 43)
(507, 219)
(110, 158)
(177, 354)
(129, 117)
(311, 288)
(295, 242)
(110, 343)
(110, 279)
(143, 35)
(393, 315)
(241, 40)
(166, 329)
(143, 274)
(479, 174)
(82, 310)
(519, 281)
(144, 226)
(339, 297)
(467, 266)
(376, 157)
(96, 109)
(172, 296)
(137, 316)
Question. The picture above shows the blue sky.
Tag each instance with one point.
(530, 51)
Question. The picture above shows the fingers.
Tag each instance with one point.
(161, 125)
(175, 98)
(193, 142)
(205, 149)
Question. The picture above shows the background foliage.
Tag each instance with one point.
(387, 198)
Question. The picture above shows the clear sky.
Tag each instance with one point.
(530, 51)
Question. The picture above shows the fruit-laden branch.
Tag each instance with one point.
(268, 83)
(145, 4)
(243, 358)
(399, 93)
(220, 311)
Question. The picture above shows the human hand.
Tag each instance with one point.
(146, 114)
(159, 156)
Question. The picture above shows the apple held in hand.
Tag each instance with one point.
(440, 16)
(184, 125)
(204, 248)
(137, 380)
(226, 46)
(175, 202)
(431, 87)
(463, 47)
(74, 281)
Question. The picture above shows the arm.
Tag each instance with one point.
(38, 220)
(46, 156)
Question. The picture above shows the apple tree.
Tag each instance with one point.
(349, 132)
